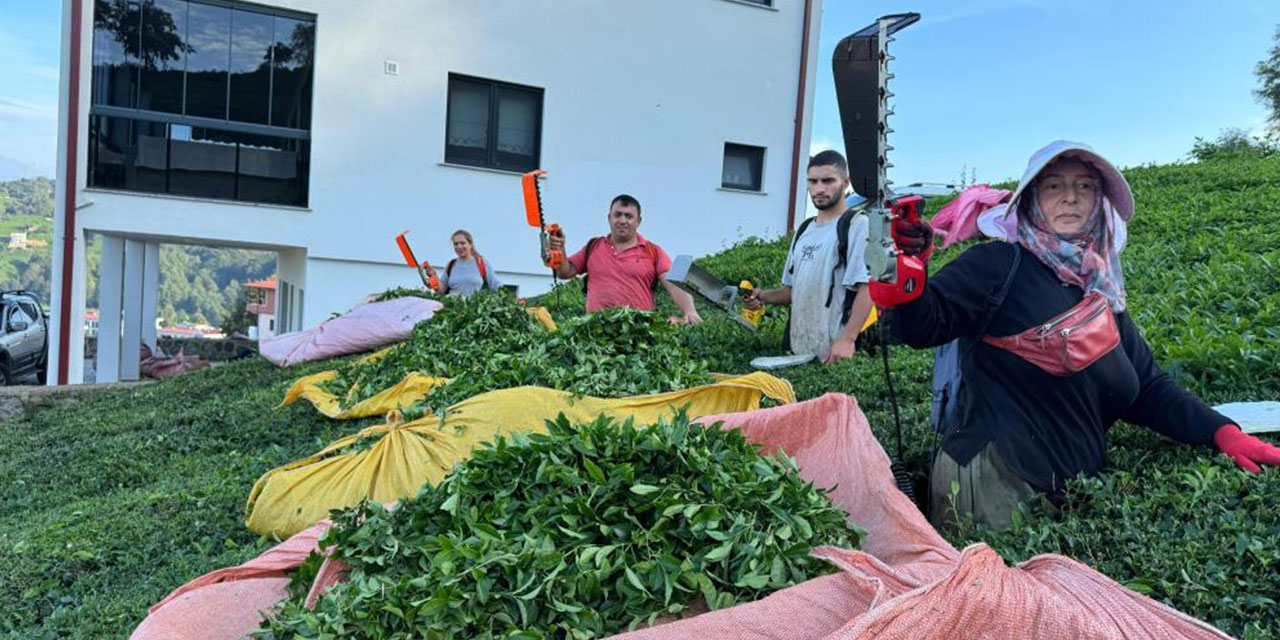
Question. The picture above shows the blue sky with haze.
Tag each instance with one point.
(980, 83)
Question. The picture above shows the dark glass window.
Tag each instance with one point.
(493, 124)
(164, 58)
(250, 66)
(468, 135)
(272, 170)
(127, 154)
(115, 52)
(743, 167)
(201, 162)
(292, 52)
(164, 71)
(519, 112)
(208, 59)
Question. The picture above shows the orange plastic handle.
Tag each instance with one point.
(532, 197)
(555, 257)
(406, 251)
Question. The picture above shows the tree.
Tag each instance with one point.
(155, 40)
(1268, 92)
(1231, 143)
(239, 320)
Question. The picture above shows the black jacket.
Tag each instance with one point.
(1047, 428)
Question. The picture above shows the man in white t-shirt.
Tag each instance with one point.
(827, 292)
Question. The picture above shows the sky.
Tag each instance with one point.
(29, 48)
(981, 84)
(985, 83)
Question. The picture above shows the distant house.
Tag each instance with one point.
(91, 323)
(319, 129)
(18, 240)
(190, 332)
(262, 303)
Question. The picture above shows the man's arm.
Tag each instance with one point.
(780, 296)
(567, 269)
(843, 347)
(682, 300)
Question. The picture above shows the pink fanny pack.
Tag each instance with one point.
(1069, 342)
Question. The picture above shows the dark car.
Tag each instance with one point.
(24, 337)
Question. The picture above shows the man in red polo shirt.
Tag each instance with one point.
(623, 269)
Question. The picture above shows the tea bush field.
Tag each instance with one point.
(110, 502)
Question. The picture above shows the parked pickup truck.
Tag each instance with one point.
(24, 337)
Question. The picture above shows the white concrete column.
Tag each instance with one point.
(292, 266)
(110, 296)
(150, 292)
(134, 258)
(71, 169)
(79, 297)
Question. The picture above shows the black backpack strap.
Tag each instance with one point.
(842, 237)
(842, 259)
(994, 304)
(586, 259)
(653, 254)
(448, 269)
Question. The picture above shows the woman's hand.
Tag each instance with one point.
(1247, 451)
(913, 239)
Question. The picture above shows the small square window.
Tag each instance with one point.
(743, 167)
(493, 124)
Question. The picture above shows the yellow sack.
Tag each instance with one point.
(401, 456)
(543, 317)
(411, 389)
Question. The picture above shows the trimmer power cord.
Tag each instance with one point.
(901, 477)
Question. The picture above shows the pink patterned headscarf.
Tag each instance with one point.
(1089, 259)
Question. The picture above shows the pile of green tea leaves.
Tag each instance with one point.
(489, 342)
(582, 532)
(408, 292)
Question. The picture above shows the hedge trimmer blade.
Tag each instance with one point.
(533, 197)
(861, 68)
(552, 258)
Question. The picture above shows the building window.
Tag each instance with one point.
(209, 99)
(743, 167)
(493, 124)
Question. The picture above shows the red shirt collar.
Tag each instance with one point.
(640, 241)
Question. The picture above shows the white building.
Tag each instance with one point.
(262, 304)
(320, 129)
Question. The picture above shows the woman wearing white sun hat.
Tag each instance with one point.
(1050, 358)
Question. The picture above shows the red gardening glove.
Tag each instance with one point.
(1246, 450)
(913, 239)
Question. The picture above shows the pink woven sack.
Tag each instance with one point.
(905, 582)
